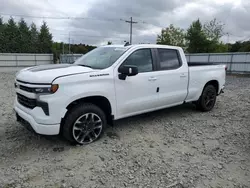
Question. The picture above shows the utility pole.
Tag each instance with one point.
(227, 42)
(131, 26)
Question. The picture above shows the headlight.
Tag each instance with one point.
(47, 90)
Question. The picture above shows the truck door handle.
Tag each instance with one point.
(152, 79)
(183, 76)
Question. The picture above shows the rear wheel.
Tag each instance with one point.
(84, 124)
(207, 99)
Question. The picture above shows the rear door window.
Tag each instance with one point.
(169, 59)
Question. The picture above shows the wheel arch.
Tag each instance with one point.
(214, 83)
(102, 102)
(201, 103)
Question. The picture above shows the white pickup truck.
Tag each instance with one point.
(109, 83)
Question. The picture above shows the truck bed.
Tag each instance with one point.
(199, 74)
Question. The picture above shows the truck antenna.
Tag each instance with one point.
(126, 44)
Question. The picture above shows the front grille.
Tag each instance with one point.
(28, 89)
(25, 101)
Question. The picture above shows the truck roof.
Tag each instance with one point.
(145, 45)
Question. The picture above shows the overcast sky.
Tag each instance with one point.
(103, 22)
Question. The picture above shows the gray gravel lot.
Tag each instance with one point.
(177, 147)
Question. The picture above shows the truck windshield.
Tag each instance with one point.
(101, 58)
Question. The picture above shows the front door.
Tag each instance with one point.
(137, 94)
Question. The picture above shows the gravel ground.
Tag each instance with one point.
(173, 148)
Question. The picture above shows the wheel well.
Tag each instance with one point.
(100, 101)
(215, 83)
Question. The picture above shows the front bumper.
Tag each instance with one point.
(222, 90)
(50, 129)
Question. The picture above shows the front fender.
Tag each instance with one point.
(92, 94)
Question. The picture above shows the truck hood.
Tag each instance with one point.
(47, 73)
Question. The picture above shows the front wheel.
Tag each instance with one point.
(84, 124)
(207, 99)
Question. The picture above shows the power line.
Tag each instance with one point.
(245, 39)
(131, 22)
(97, 36)
(40, 17)
(81, 37)
(155, 25)
(58, 17)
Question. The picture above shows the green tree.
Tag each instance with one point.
(196, 38)
(172, 36)
(45, 39)
(11, 35)
(214, 30)
(2, 37)
(221, 47)
(245, 47)
(56, 51)
(80, 49)
(24, 37)
(236, 46)
(240, 46)
(34, 38)
(109, 43)
(1, 21)
(89, 47)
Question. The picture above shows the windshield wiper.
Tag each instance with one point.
(84, 65)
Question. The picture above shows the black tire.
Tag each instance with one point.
(207, 99)
(78, 118)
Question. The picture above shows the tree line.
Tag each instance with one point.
(201, 38)
(19, 37)
(60, 47)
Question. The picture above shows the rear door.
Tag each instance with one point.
(172, 77)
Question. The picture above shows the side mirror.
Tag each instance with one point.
(127, 70)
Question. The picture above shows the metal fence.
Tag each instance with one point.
(236, 62)
(24, 60)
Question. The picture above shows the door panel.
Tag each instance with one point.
(173, 87)
(137, 94)
(172, 78)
